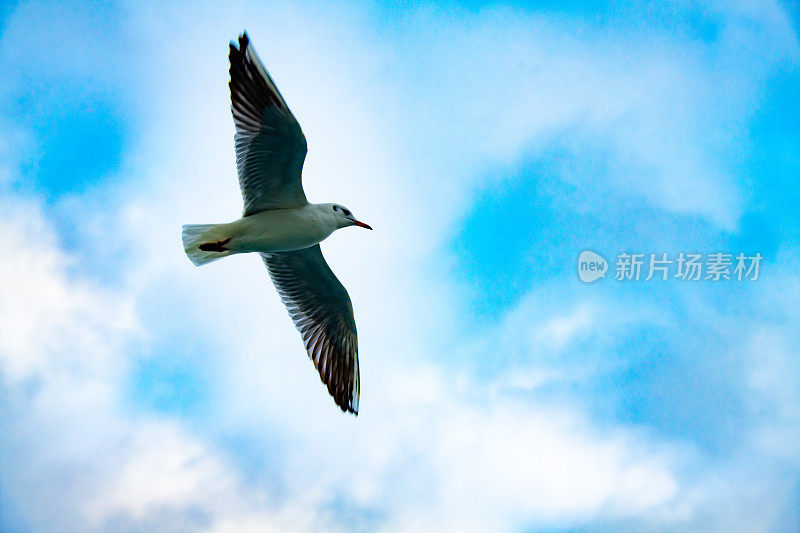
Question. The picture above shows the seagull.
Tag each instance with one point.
(283, 227)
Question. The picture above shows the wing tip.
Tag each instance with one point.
(244, 40)
(345, 394)
(352, 409)
(345, 400)
(350, 404)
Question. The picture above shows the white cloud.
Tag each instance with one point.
(40, 308)
(509, 464)
(75, 458)
(106, 468)
(667, 113)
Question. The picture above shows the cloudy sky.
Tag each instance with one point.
(488, 145)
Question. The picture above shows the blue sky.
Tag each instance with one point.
(488, 145)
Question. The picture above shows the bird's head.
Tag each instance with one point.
(344, 217)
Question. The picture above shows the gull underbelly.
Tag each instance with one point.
(280, 230)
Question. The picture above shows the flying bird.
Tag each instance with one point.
(283, 227)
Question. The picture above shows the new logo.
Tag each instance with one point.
(591, 266)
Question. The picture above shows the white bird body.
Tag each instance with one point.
(276, 230)
(283, 230)
(283, 227)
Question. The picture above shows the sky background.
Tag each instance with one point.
(488, 145)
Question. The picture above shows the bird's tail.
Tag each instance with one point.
(204, 243)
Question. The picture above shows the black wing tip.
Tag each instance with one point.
(244, 40)
(345, 398)
(348, 409)
(344, 401)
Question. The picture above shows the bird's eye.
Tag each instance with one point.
(336, 208)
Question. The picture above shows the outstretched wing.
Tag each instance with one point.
(321, 310)
(270, 146)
